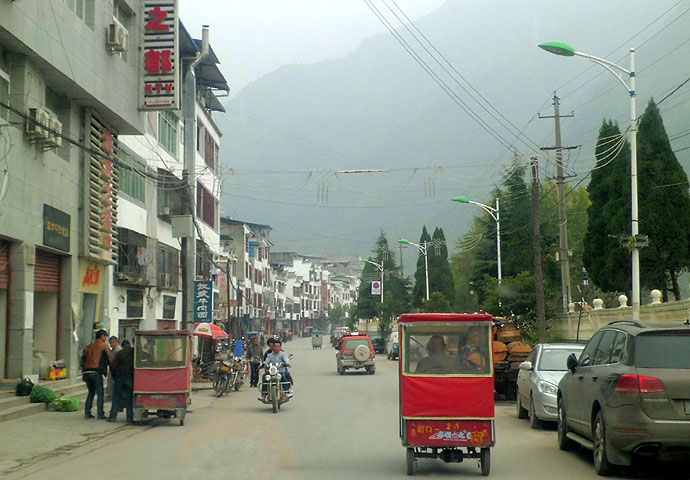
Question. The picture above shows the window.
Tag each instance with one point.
(205, 206)
(618, 352)
(132, 258)
(168, 267)
(132, 176)
(590, 348)
(204, 258)
(167, 131)
(603, 355)
(663, 350)
(124, 16)
(84, 9)
(170, 191)
(556, 359)
(4, 83)
(210, 151)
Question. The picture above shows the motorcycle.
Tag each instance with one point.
(237, 373)
(223, 374)
(275, 388)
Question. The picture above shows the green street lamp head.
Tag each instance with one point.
(402, 240)
(558, 48)
(461, 199)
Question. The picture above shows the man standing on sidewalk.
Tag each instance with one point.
(123, 371)
(96, 360)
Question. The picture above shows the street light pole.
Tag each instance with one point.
(563, 49)
(423, 249)
(380, 267)
(496, 215)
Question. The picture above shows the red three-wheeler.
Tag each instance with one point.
(446, 387)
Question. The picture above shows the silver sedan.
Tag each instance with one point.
(537, 381)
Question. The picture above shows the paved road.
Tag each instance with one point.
(336, 427)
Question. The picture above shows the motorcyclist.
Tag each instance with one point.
(278, 356)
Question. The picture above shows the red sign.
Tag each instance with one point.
(160, 66)
(449, 433)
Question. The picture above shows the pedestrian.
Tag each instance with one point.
(123, 371)
(97, 357)
(115, 347)
(254, 358)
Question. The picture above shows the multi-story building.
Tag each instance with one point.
(85, 172)
(250, 244)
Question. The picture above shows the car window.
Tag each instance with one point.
(618, 352)
(663, 350)
(603, 352)
(352, 344)
(555, 359)
(590, 348)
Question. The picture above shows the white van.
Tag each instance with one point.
(392, 338)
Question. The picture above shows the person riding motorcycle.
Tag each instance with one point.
(278, 356)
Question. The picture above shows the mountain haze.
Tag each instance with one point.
(287, 134)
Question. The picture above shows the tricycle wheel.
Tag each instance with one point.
(410, 461)
(180, 417)
(485, 461)
(510, 392)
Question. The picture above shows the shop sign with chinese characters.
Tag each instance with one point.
(203, 301)
(160, 66)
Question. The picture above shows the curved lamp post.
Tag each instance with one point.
(380, 267)
(495, 214)
(423, 249)
(563, 49)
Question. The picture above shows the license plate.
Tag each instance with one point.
(225, 369)
(687, 407)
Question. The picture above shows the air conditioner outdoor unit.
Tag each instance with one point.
(122, 277)
(39, 118)
(117, 36)
(54, 139)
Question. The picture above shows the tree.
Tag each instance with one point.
(440, 276)
(367, 304)
(663, 207)
(437, 303)
(608, 216)
(389, 310)
(336, 314)
(419, 289)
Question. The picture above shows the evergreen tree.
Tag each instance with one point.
(440, 276)
(419, 289)
(608, 215)
(663, 207)
(368, 304)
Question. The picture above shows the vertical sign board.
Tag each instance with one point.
(160, 72)
(203, 301)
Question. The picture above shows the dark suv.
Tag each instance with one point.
(628, 394)
(377, 340)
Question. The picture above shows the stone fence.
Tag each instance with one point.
(592, 318)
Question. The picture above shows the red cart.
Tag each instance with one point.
(162, 373)
(446, 388)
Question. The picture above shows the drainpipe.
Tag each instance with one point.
(189, 243)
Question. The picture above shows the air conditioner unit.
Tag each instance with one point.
(122, 277)
(39, 118)
(54, 139)
(117, 36)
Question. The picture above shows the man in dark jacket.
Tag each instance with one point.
(123, 371)
(97, 357)
(254, 354)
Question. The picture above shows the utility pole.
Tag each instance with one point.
(563, 251)
(536, 247)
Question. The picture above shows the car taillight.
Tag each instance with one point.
(639, 384)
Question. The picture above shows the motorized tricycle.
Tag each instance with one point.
(446, 388)
(316, 339)
(162, 373)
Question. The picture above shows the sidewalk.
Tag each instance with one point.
(48, 436)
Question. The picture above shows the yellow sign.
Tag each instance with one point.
(91, 277)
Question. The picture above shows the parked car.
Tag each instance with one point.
(537, 381)
(377, 341)
(356, 351)
(628, 394)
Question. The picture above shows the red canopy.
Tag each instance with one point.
(209, 330)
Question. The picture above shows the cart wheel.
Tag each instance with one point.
(180, 417)
(410, 461)
(485, 461)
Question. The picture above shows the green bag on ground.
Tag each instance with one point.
(65, 404)
(41, 394)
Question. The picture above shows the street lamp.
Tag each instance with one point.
(563, 49)
(423, 249)
(495, 214)
(380, 267)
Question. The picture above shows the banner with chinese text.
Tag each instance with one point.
(160, 71)
(203, 301)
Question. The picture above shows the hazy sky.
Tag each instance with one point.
(254, 37)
